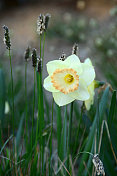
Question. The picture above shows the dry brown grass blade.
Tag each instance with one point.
(64, 166)
(72, 166)
(61, 167)
(86, 168)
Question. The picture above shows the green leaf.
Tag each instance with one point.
(2, 95)
(18, 136)
(112, 109)
(103, 102)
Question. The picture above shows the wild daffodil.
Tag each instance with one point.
(91, 89)
(69, 80)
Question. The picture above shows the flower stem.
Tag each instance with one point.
(33, 112)
(40, 45)
(38, 98)
(51, 139)
(26, 111)
(43, 49)
(12, 92)
(75, 146)
(69, 133)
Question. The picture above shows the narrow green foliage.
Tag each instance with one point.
(63, 148)
(26, 106)
(5, 143)
(59, 127)
(112, 109)
(19, 134)
(69, 133)
(12, 91)
(2, 95)
(51, 137)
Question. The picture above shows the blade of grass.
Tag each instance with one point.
(69, 134)
(12, 91)
(19, 132)
(63, 144)
(26, 106)
(5, 143)
(59, 127)
(2, 95)
(112, 109)
(33, 112)
(50, 168)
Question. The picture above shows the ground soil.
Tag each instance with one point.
(22, 22)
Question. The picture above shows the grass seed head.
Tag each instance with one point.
(75, 49)
(39, 65)
(34, 58)
(98, 165)
(47, 17)
(63, 56)
(40, 24)
(6, 37)
(27, 54)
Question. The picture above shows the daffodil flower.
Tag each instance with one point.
(69, 80)
(91, 89)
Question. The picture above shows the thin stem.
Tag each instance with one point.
(84, 152)
(12, 92)
(37, 75)
(38, 95)
(52, 124)
(70, 126)
(40, 45)
(43, 49)
(26, 111)
(33, 111)
(69, 132)
(51, 138)
(78, 128)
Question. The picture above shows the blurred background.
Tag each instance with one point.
(90, 23)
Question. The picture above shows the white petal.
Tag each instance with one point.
(90, 101)
(73, 62)
(7, 108)
(81, 93)
(72, 59)
(48, 85)
(55, 64)
(88, 61)
(88, 73)
(62, 99)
